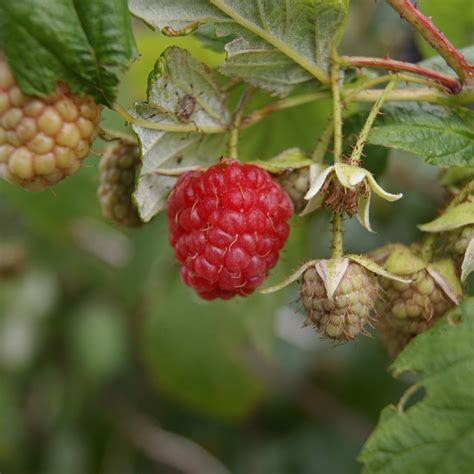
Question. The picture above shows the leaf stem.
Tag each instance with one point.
(453, 57)
(190, 127)
(337, 107)
(415, 95)
(362, 139)
(387, 78)
(449, 83)
(233, 147)
(337, 249)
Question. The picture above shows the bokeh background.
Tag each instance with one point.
(108, 365)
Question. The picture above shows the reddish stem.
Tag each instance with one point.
(453, 57)
(453, 85)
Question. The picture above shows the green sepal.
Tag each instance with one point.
(402, 261)
(445, 275)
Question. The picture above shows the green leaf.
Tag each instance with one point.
(180, 91)
(453, 218)
(437, 433)
(201, 353)
(443, 137)
(276, 45)
(86, 44)
(260, 65)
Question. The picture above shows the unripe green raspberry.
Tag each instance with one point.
(412, 307)
(43, 140)
(117, 177)
(296, 185)
(344, 316)
(457, 240)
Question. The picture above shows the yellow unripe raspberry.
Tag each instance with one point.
(43, 140)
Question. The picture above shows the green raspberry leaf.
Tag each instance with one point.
(85, 43)
(436, 434)
(276, 45)
(442, 136)
(182, 94)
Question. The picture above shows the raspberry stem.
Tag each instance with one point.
(435, 38)
(448, 82)
(362, 139)
(337, 249)
(337, 106)
(389, 77)
(233, 147)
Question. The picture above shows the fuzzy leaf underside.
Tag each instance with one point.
(443, 137)
(275, 45)
(88, 51)
(176, 76)
(436, 434)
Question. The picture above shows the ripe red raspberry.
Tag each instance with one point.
(43, 140)
(227, 225)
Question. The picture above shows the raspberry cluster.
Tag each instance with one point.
(43, 140)
(344, 316)
(227, 225)
(117, 177)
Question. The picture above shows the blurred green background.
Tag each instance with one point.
(108, 365)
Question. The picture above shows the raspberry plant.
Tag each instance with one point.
(184, 154)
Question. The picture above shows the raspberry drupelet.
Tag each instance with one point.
(227, 225)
